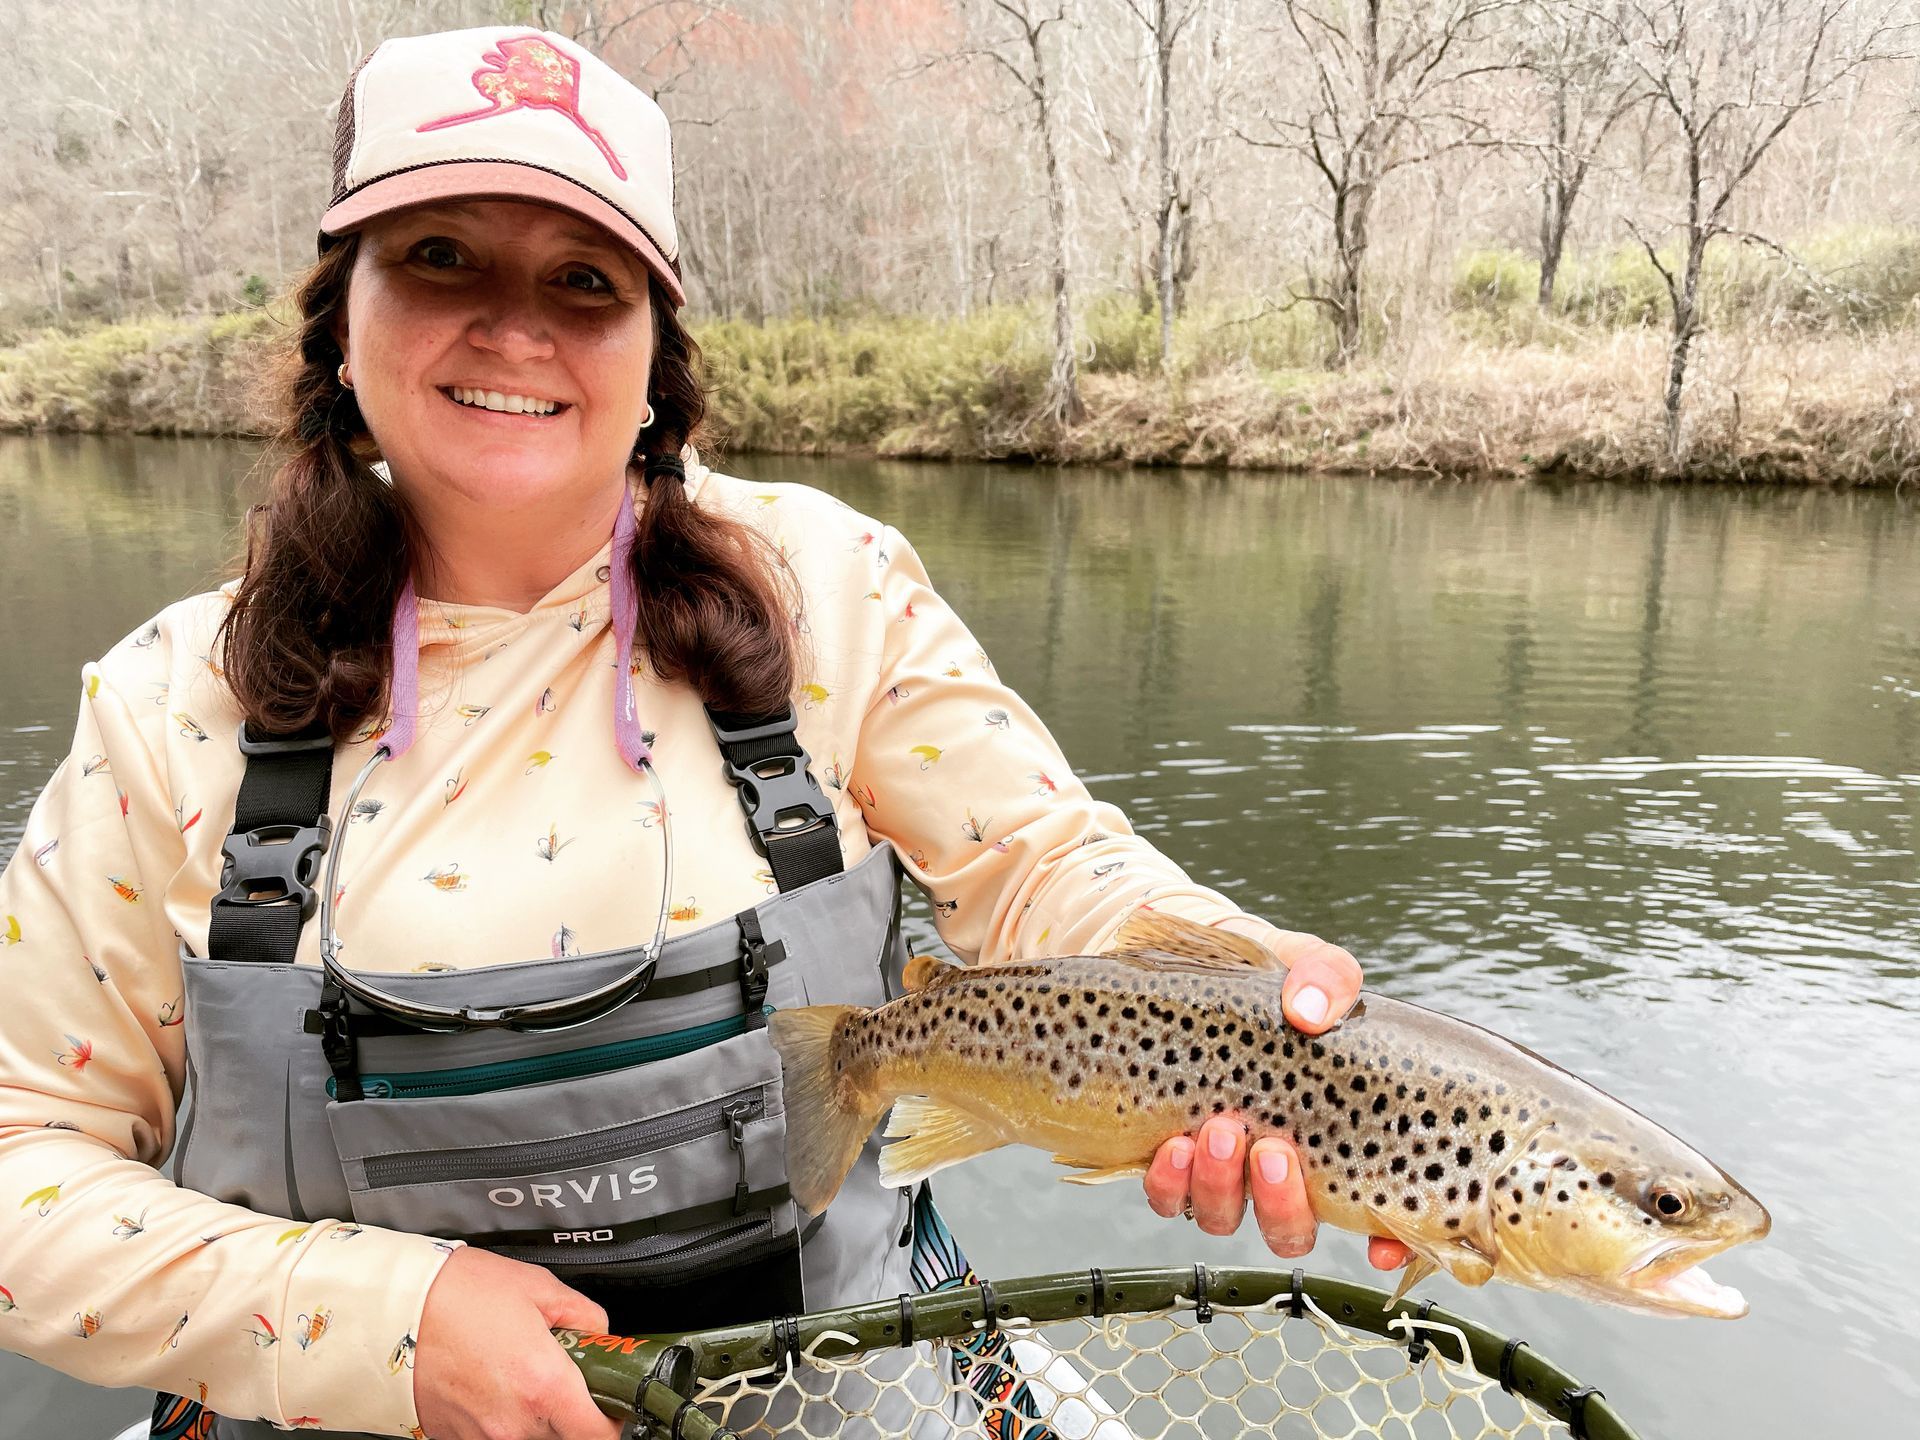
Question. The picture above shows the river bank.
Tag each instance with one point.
(1457, 398)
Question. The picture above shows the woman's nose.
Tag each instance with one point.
(515, 332)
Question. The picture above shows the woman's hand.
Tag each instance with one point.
(485, 1366)
(1215, 1169)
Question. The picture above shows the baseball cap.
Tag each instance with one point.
(505, 113)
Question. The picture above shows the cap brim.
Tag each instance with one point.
(496, 180)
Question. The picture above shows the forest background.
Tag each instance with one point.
(1666, 238)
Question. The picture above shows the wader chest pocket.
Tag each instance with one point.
(652, 1171)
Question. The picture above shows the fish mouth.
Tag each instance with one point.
(1673, 1281)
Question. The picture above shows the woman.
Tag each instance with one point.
(510, 695)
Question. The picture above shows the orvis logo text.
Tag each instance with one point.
(638, 1181)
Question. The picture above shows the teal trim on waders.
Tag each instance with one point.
(573, 1064)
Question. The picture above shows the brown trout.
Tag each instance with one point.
(1482, 1158)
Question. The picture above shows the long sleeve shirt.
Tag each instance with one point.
(511, 830)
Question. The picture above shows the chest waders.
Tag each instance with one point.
(640, 1156)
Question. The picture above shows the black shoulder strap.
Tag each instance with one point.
(273, 853)
(789, 820)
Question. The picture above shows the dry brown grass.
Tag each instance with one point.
(1781, 406)
(1782, 409)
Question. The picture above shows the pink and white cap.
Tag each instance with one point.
(506, 113)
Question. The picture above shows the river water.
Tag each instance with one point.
(1629, 775)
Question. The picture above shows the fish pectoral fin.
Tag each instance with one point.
(1093, 1172)
(926, 971)
(1150, 939)
(1417, 1269)
(928, 1136)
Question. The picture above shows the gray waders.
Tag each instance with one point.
(641, 1156)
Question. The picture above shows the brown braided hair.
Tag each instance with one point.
(307, 642)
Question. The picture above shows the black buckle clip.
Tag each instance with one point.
(329, 1020)
(286, 855)
(787, 802)
(757, 954)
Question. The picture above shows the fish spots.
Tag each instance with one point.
(1434, 1171)
(1463, 1156)
(1497, 1142)
(1473, 1191)
(1605, 1178)
(1428, 1119)
(1411, 1203)
(1459, 1114)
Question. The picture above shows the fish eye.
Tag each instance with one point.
(1668, 1204)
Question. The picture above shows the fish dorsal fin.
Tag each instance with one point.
(923, 972)
(1148, 935)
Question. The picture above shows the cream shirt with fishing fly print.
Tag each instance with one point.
(511, 831)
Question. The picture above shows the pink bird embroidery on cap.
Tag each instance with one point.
(527, 71)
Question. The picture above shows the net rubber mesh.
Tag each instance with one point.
(1157, 1375)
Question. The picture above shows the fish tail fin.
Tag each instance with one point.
(828, 1119)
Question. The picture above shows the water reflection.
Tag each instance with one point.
(1632, 776)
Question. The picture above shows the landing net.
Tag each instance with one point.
(1266, 1353)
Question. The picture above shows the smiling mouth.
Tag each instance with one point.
(503, 403)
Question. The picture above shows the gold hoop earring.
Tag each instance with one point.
(340, 374)
(648, 422)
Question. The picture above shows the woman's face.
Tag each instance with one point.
(500, 352)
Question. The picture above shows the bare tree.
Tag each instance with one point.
(1586, 86)
(1731, 75)
(1014, 38)
(1387, 88)
(1164, 21)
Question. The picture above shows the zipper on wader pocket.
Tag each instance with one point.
(731, 1112)
(737, 1114)
(569, 1065)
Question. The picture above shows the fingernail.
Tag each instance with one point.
(1273, 1165)
(1181, 1156)
(1311, 1005)
(1220, 1142)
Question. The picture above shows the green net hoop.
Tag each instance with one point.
(1180, 1354)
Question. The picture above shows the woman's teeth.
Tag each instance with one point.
(506, 404)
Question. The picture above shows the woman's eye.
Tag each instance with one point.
(587, 281)
(438, 254)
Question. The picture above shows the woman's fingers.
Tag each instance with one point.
(1280, 1198)
(1217, 1172)
(1166, 1181)
(1322, 983)
(1219, 1179)
(1385, 1254)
